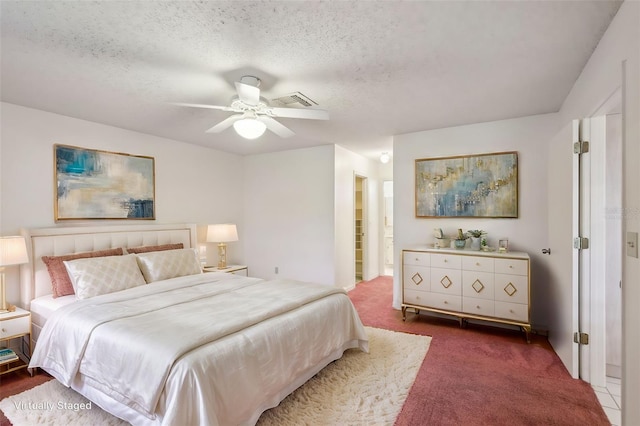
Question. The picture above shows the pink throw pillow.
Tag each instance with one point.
(147, 249)
(60, 281)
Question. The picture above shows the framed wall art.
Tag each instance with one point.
(93, 184)
(482, 185)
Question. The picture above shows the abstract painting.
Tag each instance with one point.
(92, 184)
(482, 185)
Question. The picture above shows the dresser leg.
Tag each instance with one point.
(527, 333)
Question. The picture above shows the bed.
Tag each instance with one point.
(197, 348)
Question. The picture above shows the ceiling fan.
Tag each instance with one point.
(254, 114)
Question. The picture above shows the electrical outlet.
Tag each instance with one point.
(632, 244)
(276, 269)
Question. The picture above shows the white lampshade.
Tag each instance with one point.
(13, 251)
(222, 233)
(249, 128)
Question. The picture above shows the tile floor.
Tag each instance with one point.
(610, 400)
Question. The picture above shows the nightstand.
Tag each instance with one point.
(15, 325)
(231, 269)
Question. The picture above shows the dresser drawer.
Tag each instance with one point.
(477, 263)
(478, 284)
(444, 301)
(416, 297)
(512, 288)
(448, 261)
(471, 305)
(416, 258)
(416, 277)
(15, 327)
(448, 281)
(512, 311)
(512, 266)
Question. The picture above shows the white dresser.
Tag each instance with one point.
(468, 284)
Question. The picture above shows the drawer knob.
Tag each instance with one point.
(445, 261)
(478, 306)
(511, 310)
(477, 263)
(446, 303)
(511, 266)
(417, 259)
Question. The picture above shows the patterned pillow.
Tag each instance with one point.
(162, 265)
(162, 247)
(60, 283)
(102, 275)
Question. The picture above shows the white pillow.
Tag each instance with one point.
(162, 265)
(101, 275)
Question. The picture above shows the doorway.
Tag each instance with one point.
(600, 274)
(360, 223)
(387, 192)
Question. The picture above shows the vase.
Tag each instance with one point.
(460, 243)
(475, 243)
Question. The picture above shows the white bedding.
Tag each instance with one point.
(202, 349)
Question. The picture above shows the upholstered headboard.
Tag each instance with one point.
(34, 277)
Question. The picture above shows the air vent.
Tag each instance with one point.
(295, 97)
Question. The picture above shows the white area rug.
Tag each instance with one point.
(357, 389)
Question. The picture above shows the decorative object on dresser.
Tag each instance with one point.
(461, 240)
(481, 185)
(222, 233)
(484, 286)
(476, 238)
(13, 251)
(14, 325)
(93, 184)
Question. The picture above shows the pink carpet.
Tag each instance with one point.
(481, 375)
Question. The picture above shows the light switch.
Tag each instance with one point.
(632, 244)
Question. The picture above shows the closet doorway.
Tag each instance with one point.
(387, 191)
(360, 224)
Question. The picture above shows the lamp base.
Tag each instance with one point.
(10, 308)
(222, 256)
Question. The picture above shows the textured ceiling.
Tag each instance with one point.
(379, 68)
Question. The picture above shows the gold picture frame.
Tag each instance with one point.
(480, 185)
(94, 184)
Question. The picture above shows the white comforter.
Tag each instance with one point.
(195, 349)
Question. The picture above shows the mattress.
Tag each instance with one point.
(42, 308)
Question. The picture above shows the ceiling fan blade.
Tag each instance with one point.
(250, 95)
(223, 108)
(224, 124)
(312, 114)
(275, 127)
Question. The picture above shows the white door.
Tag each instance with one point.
(562, 310)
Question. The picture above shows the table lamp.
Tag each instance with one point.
(13, 251)
(221, 234)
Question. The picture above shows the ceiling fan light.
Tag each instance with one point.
(249, 128)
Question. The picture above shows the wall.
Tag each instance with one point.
(614, 63)
(289, 214)
(528, 136)
(347, 165)
(193, 184)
